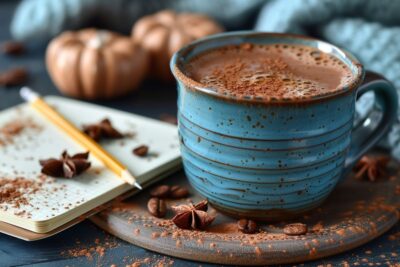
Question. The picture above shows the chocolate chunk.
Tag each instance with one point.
(295, 229)
(157, 207)
(161, 191)
(12, 77)
(178, 191)
(141, 151)
(13, 48)
(247, 226)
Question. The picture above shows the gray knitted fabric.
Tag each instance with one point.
(42, 19)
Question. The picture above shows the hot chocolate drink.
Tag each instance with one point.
(265, 120)
(276, 71)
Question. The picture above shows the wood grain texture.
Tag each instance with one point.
(354, 214)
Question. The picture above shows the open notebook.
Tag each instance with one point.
(42, 204)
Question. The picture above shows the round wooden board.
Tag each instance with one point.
(355, 213)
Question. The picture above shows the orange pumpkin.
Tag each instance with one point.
(95, 64)
(166, 32)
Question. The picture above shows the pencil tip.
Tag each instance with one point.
(137, 185)
(128, 177)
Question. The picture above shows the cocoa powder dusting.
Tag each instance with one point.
(98, 248)
(268, 72)
(17, 191)
(14, 128)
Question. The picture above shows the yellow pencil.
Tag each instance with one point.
(96, 150)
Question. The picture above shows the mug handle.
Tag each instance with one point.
(386, 98)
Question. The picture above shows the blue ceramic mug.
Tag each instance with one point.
(272, 160)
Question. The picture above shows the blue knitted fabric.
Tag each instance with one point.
(42, 19)
(370, 29)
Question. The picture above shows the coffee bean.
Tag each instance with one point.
(295, 229)
(12, 77)
(247, 226)
(157, 207)
(13, 48)
(141, 151)
(161, 191)
(178, 191)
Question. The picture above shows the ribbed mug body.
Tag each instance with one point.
(263, 159)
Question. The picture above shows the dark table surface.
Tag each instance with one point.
(152, 99)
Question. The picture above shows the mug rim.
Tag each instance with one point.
(357, 69)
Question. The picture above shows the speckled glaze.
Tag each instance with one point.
(270, 159)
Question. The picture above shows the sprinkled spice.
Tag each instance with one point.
(192, 216)
(98, 248)
(66, 166)
(329, 225)
(17, 191)
(247, 226)
(102, 130)
(14, 128)
(371, 168)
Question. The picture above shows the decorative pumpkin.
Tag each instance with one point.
(166, 32)
(95, 64)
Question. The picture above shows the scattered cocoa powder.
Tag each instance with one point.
(17, 191)
(14, 128)
(263, 241)
(266, 72)
(395, 236)
(156, 262)
(247, 226)
(98, 248)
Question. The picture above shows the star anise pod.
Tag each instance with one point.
(102, 130)
(371, 168)
(192, 216)
(66, 166)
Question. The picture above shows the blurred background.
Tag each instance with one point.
(156, 29)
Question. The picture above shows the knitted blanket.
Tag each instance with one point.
(370, 29)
